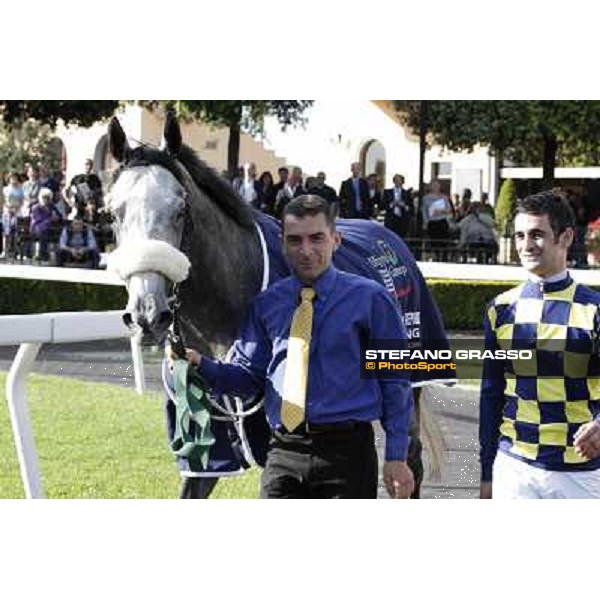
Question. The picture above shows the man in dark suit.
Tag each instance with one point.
(86, 186)
(283, 173)
(355, 202)
(325, 191)
(399, 210)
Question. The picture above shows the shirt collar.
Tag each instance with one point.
(552, 279)
(554, 283)
(323, 285)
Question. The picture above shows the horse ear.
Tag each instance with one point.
(172, 133)
(117, 142)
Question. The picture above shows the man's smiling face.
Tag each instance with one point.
(540, 250)
(309, 243)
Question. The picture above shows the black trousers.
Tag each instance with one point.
(328, 464)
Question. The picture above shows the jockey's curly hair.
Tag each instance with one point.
(559, 211)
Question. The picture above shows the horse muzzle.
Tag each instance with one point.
(148, 308)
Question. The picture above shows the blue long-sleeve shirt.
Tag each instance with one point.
(348, 309)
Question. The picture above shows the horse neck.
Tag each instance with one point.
(225, 275)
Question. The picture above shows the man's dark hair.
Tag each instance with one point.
(310, 204)
(283, 170)
(559, 211)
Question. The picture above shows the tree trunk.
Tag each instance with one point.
(498, 174)
(233, 150)
(233, 147)
(550, 148)
(422, 147)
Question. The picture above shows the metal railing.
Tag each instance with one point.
(450, 251)
(31, 332)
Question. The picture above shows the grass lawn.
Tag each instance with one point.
(99, 441)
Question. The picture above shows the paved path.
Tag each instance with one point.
(110, 362)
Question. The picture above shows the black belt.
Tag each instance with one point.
(319, 428)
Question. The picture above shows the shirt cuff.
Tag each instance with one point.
(208, 370)
(396, 447)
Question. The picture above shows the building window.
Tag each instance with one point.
(57, 155)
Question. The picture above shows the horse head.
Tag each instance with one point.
(148, 202)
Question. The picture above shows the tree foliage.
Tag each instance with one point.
(238, 116)
(29, 142)
(506, 206)
(26, 128)
(530, 132)
(73, 112)
(248, 114)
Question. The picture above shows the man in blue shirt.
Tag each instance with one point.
(331, 453)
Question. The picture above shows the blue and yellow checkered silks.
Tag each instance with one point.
(531, 409)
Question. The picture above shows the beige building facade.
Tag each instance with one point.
(142, 125)
(337, 133)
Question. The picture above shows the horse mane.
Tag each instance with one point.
(206, 179)
(216, 188)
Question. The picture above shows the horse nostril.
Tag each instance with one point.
(128, 321)
(164, 318)
(143, 324)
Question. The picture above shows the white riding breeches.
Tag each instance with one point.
(513, 478)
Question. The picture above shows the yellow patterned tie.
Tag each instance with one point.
(296, 369)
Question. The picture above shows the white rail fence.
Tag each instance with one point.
(31, 331)
(430, 270)
(477, 272)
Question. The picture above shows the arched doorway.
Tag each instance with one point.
(56, 155)
(372, 160)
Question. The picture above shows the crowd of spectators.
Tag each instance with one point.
(44, 220)
(47, 222)
(457, 228)
(433, 227)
